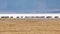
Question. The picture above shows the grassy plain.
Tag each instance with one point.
(29, 26)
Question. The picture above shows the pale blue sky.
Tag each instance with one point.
(29, 6)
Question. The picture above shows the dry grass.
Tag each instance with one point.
(29, 26)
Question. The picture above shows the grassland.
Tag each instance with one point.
(29, 26)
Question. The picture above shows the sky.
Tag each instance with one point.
(29, 6)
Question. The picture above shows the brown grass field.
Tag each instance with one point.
(29, 26)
